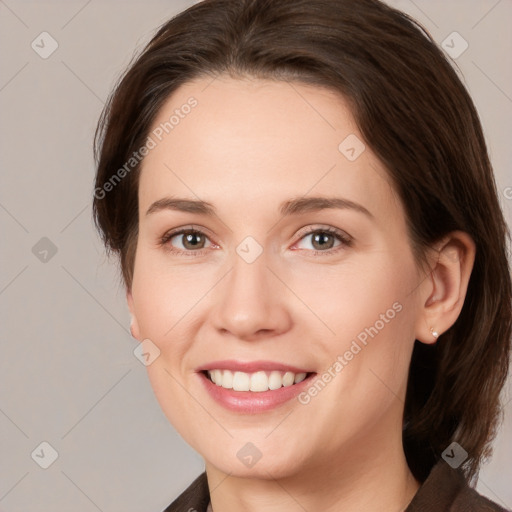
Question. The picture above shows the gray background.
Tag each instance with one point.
(68, 373)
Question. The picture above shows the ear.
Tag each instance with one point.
(134, 325)
(442, 294)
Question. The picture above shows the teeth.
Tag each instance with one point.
(299, 377)
(227, 379)
(258, 381)
(241, 381)
(275, 380)
(288, 379)
(217, 377)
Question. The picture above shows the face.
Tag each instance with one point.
(302, 311)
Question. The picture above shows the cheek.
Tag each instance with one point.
(162, 300)
(370, 314)
(368, 292)
(163, 296)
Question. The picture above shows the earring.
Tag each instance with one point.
(434, 333)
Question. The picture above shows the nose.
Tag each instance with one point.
(250, 303)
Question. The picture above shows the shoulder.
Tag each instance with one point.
(469, 500)
(195, 498)
(446, 489)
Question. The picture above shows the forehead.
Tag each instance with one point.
(253, 139)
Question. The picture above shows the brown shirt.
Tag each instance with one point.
(445, 489)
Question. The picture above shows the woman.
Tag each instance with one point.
(314, 255)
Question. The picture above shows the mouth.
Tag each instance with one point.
(250, 388)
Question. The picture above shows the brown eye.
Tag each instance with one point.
(192, 240)
(185, 240)
(324, 240)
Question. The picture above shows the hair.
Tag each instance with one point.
(416, 116)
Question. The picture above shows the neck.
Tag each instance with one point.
(363, 481)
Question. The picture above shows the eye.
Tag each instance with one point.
(323, 240)
(187, 241)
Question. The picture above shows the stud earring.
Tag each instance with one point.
(434, 333)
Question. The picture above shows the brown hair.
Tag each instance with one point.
(416, 116)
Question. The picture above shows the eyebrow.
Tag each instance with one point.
(291, 207)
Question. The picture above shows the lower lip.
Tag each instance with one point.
(249, 402)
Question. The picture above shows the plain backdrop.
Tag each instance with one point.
(69, 377)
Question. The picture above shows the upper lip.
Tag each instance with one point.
(250, 366)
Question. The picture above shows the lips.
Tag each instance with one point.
(251, 387)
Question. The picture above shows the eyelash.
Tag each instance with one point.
(345, 240)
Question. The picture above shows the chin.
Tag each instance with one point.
(245, 460)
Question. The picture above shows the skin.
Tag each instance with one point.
(245, 148)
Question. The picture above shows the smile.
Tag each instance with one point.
(253, 387)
